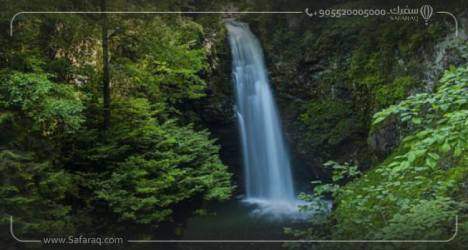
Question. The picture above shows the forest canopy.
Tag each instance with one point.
(63, 167)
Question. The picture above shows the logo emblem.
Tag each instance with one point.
(426, 12)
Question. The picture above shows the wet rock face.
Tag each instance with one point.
(366, 66)
(216, 109)
(384, 139)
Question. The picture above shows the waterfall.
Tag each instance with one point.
(267, 166)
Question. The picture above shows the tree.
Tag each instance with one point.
(105, 67)
(37, 116)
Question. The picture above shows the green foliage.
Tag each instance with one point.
(413, 193)
(340, 174)
(380, 76)
(35, 103)
(152, 162)
(60, 170)
(166, 61)
(156, 166)
(33, 192)
(417, 192)
(36, 114)
(422, 109)
(318, 204)
(391, 93)
(422, 220)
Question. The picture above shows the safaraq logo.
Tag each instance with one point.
(426, 13)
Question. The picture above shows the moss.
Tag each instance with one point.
(389, 94)
(362, 64)
(328, 122)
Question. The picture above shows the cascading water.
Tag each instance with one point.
(268, 179)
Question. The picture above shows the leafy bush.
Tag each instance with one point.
(319, 204)
(428, 167)
(420, 188)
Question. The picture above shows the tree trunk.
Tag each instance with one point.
(105, 67)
